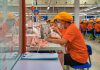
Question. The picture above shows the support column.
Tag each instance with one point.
(23, 26)
(76, 12)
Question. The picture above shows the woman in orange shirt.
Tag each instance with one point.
(90, 28)
(97, 26)
(72, 39)
(83, 26)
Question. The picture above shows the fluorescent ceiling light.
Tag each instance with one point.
(98, 11)
(48, 8)
(79, 13)
(83, 14)
(90, 8)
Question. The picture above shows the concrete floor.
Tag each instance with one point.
(96, 54)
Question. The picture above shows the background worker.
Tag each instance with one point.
(90, 25)
(72, 40)
(97, 26)
(90, 28)
(1, 18)
(37, 16)
(1, 25)
(83, 26)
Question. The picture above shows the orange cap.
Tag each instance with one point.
(1, 15)
(91, 21)
(98, 20)
(51, 21)
(55, 17)
(81, 21)
(65, 16)
(11, 15)
(84, 21)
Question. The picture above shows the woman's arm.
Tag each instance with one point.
(61, 41)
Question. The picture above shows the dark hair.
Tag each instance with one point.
(82, 22)
(69, 22)
(48, 21)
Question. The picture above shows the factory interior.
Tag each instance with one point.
(49, 34)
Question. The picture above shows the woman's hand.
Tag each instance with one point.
(48, 39)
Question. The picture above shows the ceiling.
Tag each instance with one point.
(61, 2)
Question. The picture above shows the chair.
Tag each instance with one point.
(88, 64)
(97, 36)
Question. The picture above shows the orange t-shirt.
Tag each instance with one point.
(4, 29)
(62, 31)
(89, 26)
(97, 27)
(83, 27)
(54, 25)
(76, 46)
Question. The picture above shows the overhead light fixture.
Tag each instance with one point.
(90, 8)
(81, 14)
(91, 12)
(48, 8)
(86, 9)
(98, 11)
